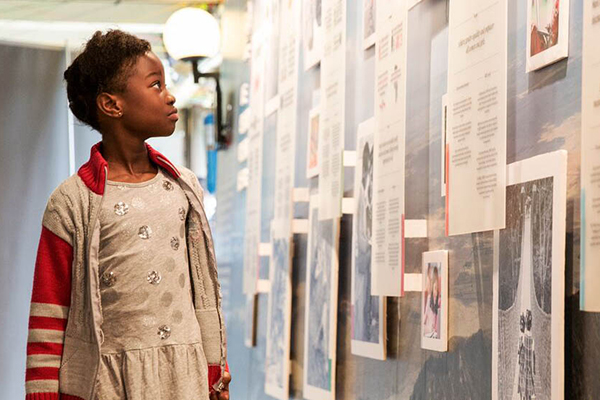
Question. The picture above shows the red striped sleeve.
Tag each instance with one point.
(52, 277)
(41, 373)
(58, 324)
(44, 348)
(50, 302)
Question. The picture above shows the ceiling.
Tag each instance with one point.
(56, 23)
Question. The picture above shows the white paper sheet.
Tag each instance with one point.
(333, 102)
(390, 122)
(590, 159)
(368, 335)
(280, 268)
(476, 175)
(528, 325)
(255, 142)
(285, 157)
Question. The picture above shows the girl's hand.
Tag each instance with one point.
(223, 394)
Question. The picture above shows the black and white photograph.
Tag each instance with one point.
(312, 32)
(321, 307)
(369, 21)
(529, 283)
(279, 316)
(368, 312)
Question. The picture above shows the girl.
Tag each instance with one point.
(126, 303)
(432, 305)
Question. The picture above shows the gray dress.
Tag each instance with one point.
(152, 343)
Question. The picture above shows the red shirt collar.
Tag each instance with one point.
(92, 173)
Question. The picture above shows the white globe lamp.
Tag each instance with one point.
(192, 33)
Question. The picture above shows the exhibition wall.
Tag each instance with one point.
(543, 115)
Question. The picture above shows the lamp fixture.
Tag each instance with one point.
(193, 34)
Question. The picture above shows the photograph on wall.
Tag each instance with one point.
(368, 312)
(548, 32)
(529, 282)
(321, 306)
(273, 14)
(279, 314)
(312, 153)
(312, 32)
(434, 301)
(369, 18)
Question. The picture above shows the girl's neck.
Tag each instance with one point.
(127, 159)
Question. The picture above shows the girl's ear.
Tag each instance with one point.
(109, 105)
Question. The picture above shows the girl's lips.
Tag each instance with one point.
(173, 117)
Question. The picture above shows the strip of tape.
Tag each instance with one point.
(413, 282)
(415, 228)
(300, 225)
(263, 286)
(272, 105)
(242, 179)
(348, 205)
(349, 158)
(300, 195)
(264, 249)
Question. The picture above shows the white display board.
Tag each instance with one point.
(368, 313)
(529, 282)
(333, 103)
(590, 159)
(476, 175)
(390, 124)
(254, 159)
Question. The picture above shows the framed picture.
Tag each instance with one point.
(312, 148)
(312, 32)
(369, 21)
(368, 312)
(547, 33)
(529, 282)
(434, 301)
(320, 328)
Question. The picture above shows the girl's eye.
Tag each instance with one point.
(157, 84)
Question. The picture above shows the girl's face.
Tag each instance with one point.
(148, 107)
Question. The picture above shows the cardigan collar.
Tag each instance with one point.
(92, 173)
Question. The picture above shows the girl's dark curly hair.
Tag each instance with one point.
(104, 66)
